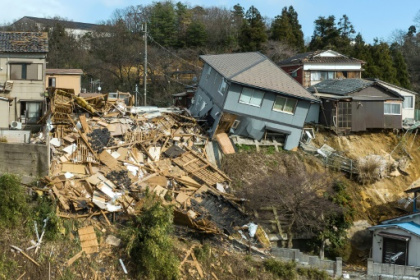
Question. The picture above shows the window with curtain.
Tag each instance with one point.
(251, 97)
(408, 102)
(322, 75)
(392, 108)
(285, 104)
(26, 71)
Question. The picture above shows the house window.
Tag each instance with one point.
(285, 104)
(392, 108)
(408, 102)
(31, 111)
(294, 73)
(26, 71)
(208, 72)
(51, 82)
(223, 87)
(251, 97)
(235, 124)
(322, 75)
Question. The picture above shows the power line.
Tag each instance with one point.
(153, 40)
(169, 77)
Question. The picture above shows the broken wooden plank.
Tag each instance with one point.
(84, 123)
(225, 143)
(63, 203)
(74, 258)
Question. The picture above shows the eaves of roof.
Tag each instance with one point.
(409, 227)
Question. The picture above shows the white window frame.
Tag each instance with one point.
(286, 99)
(412, 102)
(254, 93)
(223, 87)
(393, 103)
(319, 73)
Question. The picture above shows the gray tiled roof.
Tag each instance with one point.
(64, 23)
(24, 42)
(313, 57)
(340, 87)
(256, 70)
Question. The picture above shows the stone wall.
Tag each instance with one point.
(30, 161)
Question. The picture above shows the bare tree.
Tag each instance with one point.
(299, 195)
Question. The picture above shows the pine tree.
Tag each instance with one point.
(163, 24)
(281, 29)
(196, 34)
(325, 34)
(400, 65)
(253, 33)
(297, 29)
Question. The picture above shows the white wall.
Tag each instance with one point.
(413, 247)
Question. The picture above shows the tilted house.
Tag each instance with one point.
(22, 75)
(248, 95)
(311, 68)
(352, 105)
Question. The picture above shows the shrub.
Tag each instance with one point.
(371, 169)
(313, 274)
(149, 243)
(13, 205)
(284, 270)
(45, 209)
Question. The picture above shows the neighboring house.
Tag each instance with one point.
(248, 95)
(313, 67)
(72, 27)
(22, 65)
(64, 78)
(408, 106)
(352, 105)
(399, 237)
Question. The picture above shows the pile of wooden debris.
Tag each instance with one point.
(105, 157)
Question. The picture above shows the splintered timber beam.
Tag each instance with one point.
(83, 136)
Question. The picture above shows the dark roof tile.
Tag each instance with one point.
(24, 42)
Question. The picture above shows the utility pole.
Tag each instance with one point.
(145, 62)
(137, 93)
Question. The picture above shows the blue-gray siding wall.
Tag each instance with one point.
(255, 120)
(265, 111)
(208, 89)
(255, 128)
(313, 113)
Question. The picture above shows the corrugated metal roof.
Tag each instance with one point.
(256, 70)
(64, 71)
(340, 87)
(314, 57)
(409, 227)
(24, 42)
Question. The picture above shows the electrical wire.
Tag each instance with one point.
(153, 40)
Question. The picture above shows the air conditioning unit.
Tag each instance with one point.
(16, 125)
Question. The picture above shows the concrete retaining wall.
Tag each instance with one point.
(30, 161)
(332, 267)
(385, 270)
